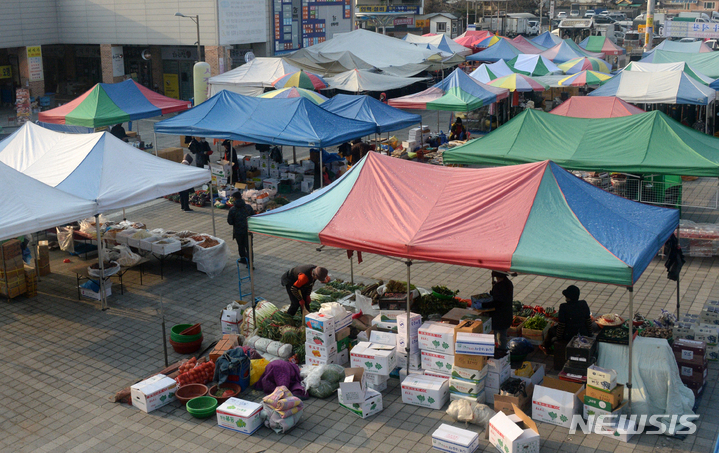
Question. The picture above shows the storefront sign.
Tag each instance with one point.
(5, 72)
(172, 85)
(87, 51)
(411, 9)
(404, 21)
(421, 23)
(34, 63)
(118, 62)
(179, 53)
(676, 29)
(551, 9)
(242, 21)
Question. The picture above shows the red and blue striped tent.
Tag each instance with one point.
(533, 218)
(107, 104)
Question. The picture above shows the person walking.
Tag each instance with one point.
(299, 281)
(237, 217)
(185, 194)
(503, 293)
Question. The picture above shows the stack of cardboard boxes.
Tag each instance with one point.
(377, 360)
(498, 371)
(579, 359)
(227, 342)
(43, 259)
(436, 344)
(703, 327)
(469, 369)
(320, 339)
(355, 395)
(691, 358)
(408, 335)
(30, 281)
(12, 269)
(602, 396)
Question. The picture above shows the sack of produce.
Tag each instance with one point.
(468, 412)
(324, 389)
(257, 369)
(210, 256)
(333, 373)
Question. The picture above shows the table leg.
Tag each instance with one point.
(141, 272)
(79, 296)
(162, 266)
(122, 290)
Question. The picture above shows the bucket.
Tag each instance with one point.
(241, 374)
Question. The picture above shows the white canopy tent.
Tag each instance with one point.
(362, 80)
(439, 41)
(28, 205)
(251, 78)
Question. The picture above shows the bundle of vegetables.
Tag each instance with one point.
(341, 285)
(197, 375)
(281, 201)
(263, 310)
(550, 312)
(443, 290)
(331, 293)
(200, 198)
(398, 287)
(526, 311)
(666, 319)
(517, 307)
(536, 322)
(657, 332)
(430, 304)
(517, 321)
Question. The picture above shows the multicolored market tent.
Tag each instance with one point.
(486, 72)
(293, 92)
(670, 87)
(518, 82)
(647, 143)
(601, 44)
(107, 104)
(470, 38)
(706, 63)
(440, 41)
(300, 79)
(547, 40)
(584, 78)
(683, 47)
(457, 93)
(533, 65)
(364, 80)
(595, 107)
(526, 46)
(502, 50)
(369, 109)
(488, 41)
(564, 52)
(681, 66)
(560, 226)
(585, 63)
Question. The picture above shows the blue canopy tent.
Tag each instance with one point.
(667, 87)
(369, 109)
(502, 50)
(547, 40)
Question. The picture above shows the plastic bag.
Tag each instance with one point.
(311, 375)
(364, 304)
(475, 413)
(211, 260)
(64, 239)
(127, 257)
(333, 373)
(324, 389)
(333, 309)
(257, 369)
(482, 414)
(88, 226)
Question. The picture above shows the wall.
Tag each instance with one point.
(28, 23)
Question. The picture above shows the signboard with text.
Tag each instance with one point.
(304, 23)
(5, 72)
(410, 9)
(403, 21)
(676, 29)
(242, 21)
(118, 62)
(34, 63)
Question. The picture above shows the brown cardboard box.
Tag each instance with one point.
(131, 134)
(43, 270)
(472, 362)
(614, 398)
(10, 249)
(227, 342)
(504, 403)
(689, 352)
(694, 373)
(12, 291)
(468, 326)
(456, 314)
(253, 174)
(173, 154)
(244, 185)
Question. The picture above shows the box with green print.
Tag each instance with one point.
(436, 336)
(153, 393)
(371, 405)
(425, 391)
(239, 415)
(556, 401)
(437, 361)
(320, 338)
(374, 357)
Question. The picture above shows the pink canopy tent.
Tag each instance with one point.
(596, 107)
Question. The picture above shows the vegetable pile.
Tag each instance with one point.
(443, 290)
(535, 322)
(195, 374)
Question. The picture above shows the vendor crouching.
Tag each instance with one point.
(574, 318)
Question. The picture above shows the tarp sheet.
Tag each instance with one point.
(669, 87)
(706, 63)
(363, 80)
(97, 167)
(365, 108)
(501, 50)
(682, 47)
(251, 78)
(535, 218)
(486, 72)
(595, 107)
(441, 41)
(647, 143)
(107, 104)
(681, 66)
(291, 122)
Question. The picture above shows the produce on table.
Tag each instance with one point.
(443, 290)
(199, 374)
(208, 243)
(657, 332)
(517, 321)
(398, 287)
(536, 322)
(429, 304)
(666, 319)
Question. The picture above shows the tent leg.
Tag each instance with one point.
(212, 211)
(678, 279)
(252, 277)
(101, 263)
(123, 214)
(294, 156)
(322, 179)
(631, 343)
(438, 121)
(352, 270)
(407, 348)
(164, 332)
(154, 144)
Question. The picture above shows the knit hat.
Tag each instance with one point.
(322, 274)
(571, 293)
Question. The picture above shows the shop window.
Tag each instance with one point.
(441, 27)
(709, 5)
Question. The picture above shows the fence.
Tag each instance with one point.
(702, 193)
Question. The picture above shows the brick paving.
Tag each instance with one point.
(64, 359)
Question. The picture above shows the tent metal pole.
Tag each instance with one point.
(322, 179)
(154, 144)
(212, 211)
(294, 156)
(631, 344)
(123, 214)
(407, 348)
(352, 269)
(678, 278)
(101, 262)
(252, 278)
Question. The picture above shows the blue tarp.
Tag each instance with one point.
(290, 122)
(547, 40)
(366, 108)
(502, 50)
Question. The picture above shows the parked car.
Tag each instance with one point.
(574, 13)
(603, 19)
(713, 44)
(533, 27)
(562, 15)
(589, 13)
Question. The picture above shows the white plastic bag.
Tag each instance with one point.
(468, 412)
(211, 260)
(333, 309)
(311, 375)
(64, 239)
(364, 304)
(127, 257)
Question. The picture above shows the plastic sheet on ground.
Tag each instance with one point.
(211, 260)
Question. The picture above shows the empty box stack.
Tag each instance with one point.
(469, 370)
(12, 269)
(602, 396)
(692, 362)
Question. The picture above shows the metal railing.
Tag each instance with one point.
(702, 193)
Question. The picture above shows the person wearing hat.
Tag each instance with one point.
(185, 194)
(502, 294)
(237, 217)
(230, 155)
(574, 318)
(201, 149)
(299, 281)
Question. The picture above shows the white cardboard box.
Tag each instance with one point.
(374, 358)
(415, 360)
(538, 377)
(437, 361)
(455, 440)
(425, 391)
(239, 415)
(622, 430)
(498, 365)
(469, 374)
(437, 374)
(166, 246)
(307, 186)
(413, 342)
(438, 337)
(388, 338)
(375, 378)
(320, 322)
(153, 393)
(415, 321)
(270, 183)
(489, 394)
(353, 387)
(471, 388)
(494, 380)
(453, 396)
(343, 358)
(556, 401)
(601, 378)
(343, 322)
(320, 338)
(381, 387)
(87, 292)
(230, 321)
(474, 344)
(371, 405)
(320, 352)
(707, 333)
(514, 433)
(312, 360)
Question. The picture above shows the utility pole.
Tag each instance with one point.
(649, 37)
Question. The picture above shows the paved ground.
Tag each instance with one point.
(64, 359)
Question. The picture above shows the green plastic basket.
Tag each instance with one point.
(177, 338)
(202, 406)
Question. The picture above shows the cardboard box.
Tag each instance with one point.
(415, 322)
(242, 186)
(320, 322)
(383, 322)
(455, 440)
(342, 334)
(709, 315)
(490, 394)
(713, 352)
(374, 358)
(707, 333)
(312, 360)
(230, 321)
(437, 374)
(495, 380)
(453, 396)
(455, 315)
(343, 358)
(472, 388)
(307, 186)
(227, 342)
(590, 409)
(468, 326)
(166, 246)
(173, 154)
(514, 433)
(353, 387)
(415, 360)
(320, 352)
(319, 338)
(474, 344)
(473, 362)
(342, 323)
(87, 292)
(505, 403)
(623, 430)
(556, 401)
(388, 338)
(153, 393)
(498, 364)
(239, 415)
(468, 374)
(344, 344)
(371, 405)
(689, 352)
(601, 378)
(614, 397)
(425, 391)
(438, 337)
(537, 377)
(381, 387)
(583, 356)
(437, 361)
(683, 331)
(403, 342)
(694, 373)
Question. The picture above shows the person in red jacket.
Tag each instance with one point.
(299, 281)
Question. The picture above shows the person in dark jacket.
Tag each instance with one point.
(230, 155)
(237, 217)
(503, 294)
(119, 132)
(202, 151)
(299, 281)
(185, 194)
(574, 318)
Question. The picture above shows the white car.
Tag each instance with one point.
(574, 13)
(562, 15)
(589, 13)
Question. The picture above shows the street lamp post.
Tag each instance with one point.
(196, 20)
